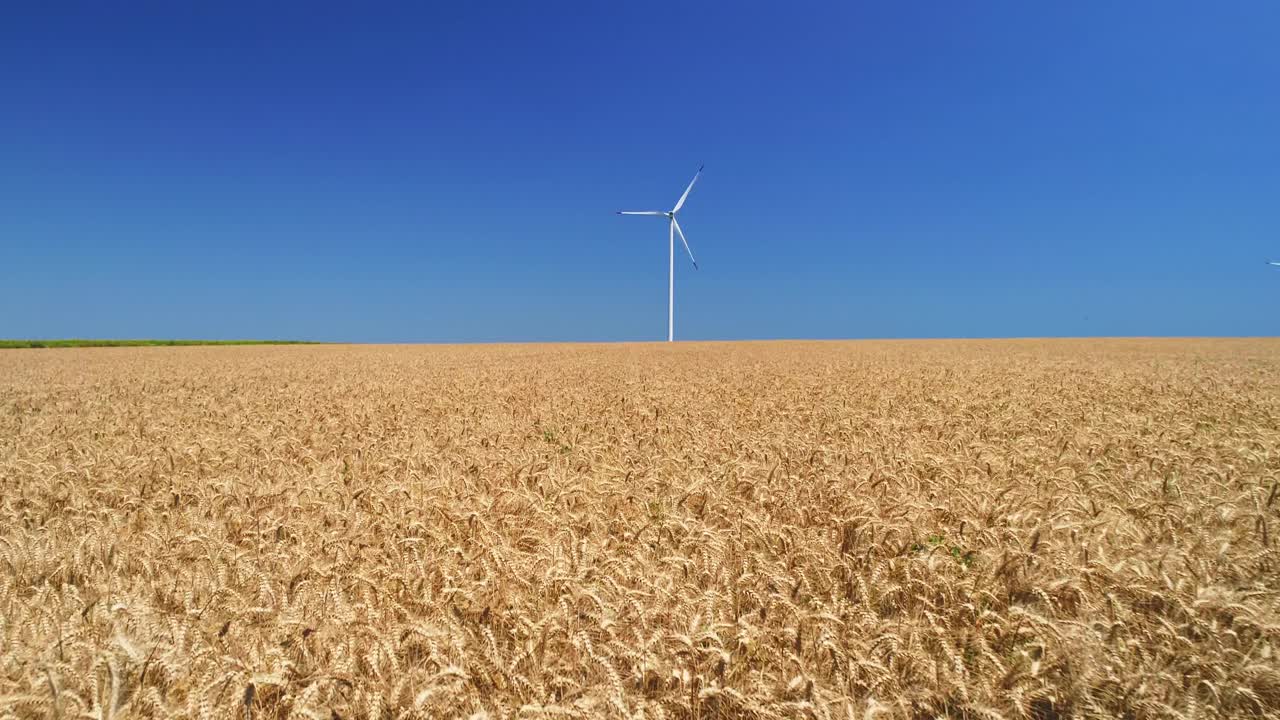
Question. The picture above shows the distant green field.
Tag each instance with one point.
(65, 343)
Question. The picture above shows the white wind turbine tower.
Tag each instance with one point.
(671, 232)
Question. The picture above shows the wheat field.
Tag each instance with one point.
(915, 529)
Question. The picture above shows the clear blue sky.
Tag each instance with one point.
(449, 171)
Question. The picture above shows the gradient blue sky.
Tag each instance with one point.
(449, 172)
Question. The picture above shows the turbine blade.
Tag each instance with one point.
(680, 202)
(659, 213)
(676, 225)
(1272, 262)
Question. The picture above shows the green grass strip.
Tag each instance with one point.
(74, 342)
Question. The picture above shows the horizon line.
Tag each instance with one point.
(55, 343)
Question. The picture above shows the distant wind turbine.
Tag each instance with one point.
(671, 232)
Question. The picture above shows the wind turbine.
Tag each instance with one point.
(671, 233)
